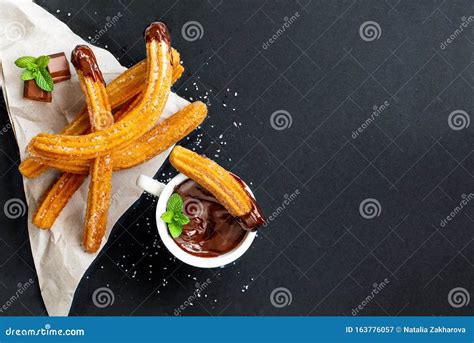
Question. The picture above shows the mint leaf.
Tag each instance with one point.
(167, 216)
(43, 80)
(27, 75)
(36, 69)
(181, 218)
(42, 61)
(25, 62)
(174, 215)
(175, 229)
(175, 203)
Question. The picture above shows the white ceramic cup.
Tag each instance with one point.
(164, 192)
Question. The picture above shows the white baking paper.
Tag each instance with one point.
(60, 261)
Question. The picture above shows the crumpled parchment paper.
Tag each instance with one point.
(60, 261)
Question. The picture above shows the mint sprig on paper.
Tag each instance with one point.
(35, 69)
(174, 216)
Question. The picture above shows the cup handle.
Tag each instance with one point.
(150, 185)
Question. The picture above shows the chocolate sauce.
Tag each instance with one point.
(84, 60)
(158, 31)
(212, 231)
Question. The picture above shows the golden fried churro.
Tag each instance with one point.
(56, 198)
(30, 168)
(154, 142)
(226, 187)
(140, 120)
(100, 114)
(98, 202)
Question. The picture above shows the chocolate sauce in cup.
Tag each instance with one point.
(212, 230)
(207, 255)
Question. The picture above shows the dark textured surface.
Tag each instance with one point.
(320, 70)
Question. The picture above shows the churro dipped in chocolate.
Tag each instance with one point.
(137, 122)
(229, 189)
(100, 115)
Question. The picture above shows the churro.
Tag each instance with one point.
(226, 187)
(154, 142)
(137, 122)
(98, 202)
(100, 114)
(56, 198)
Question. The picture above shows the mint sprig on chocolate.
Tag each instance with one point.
(35, 69)
(174, 216)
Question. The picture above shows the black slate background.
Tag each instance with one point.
(320, 70)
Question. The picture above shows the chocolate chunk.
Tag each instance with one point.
(58, 67)
(33, 92)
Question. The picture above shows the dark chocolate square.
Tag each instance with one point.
(33, 92)
(58, 67)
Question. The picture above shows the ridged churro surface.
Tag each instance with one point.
(100, 117)
(214, 178)
(154, 142)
